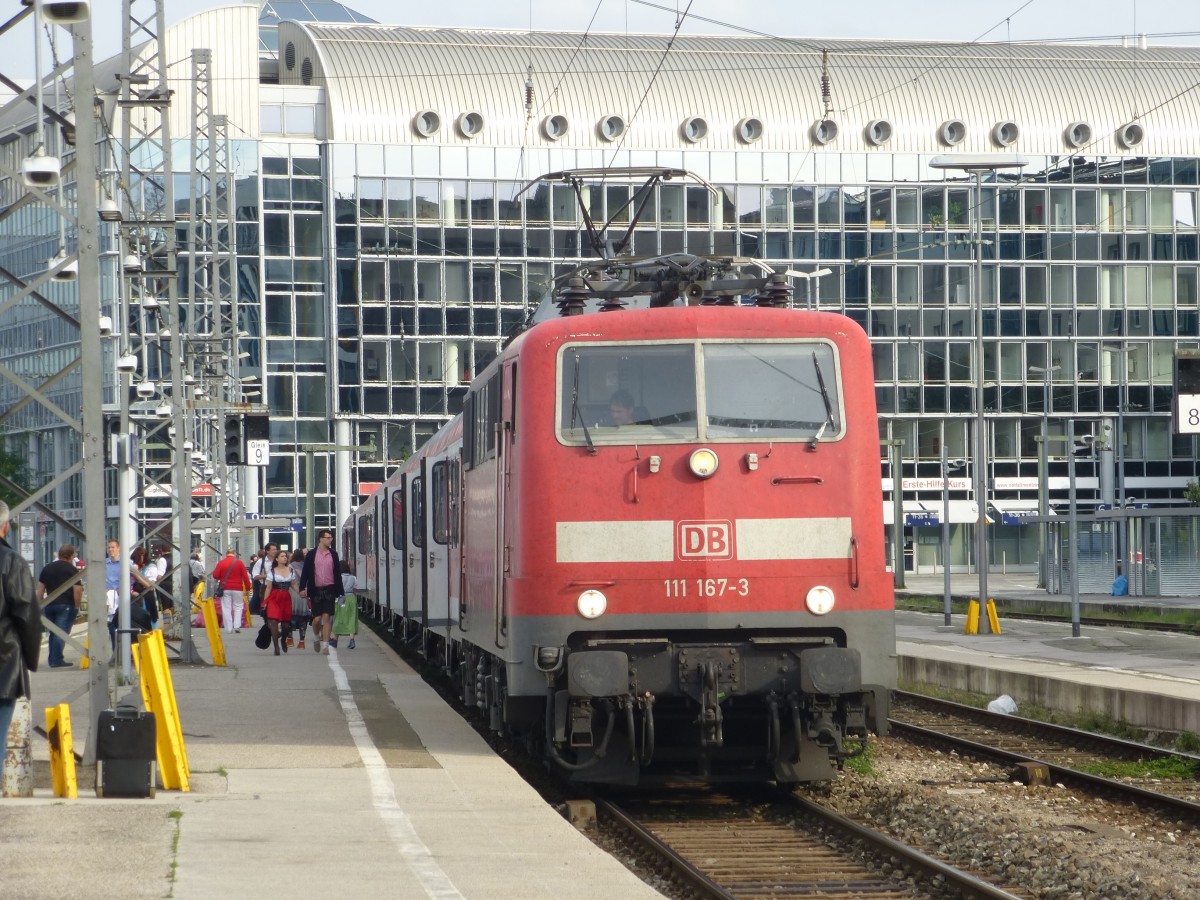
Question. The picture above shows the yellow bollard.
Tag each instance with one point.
(245, 609)
(214, 631)
(158, 694)
(993, 616)
(62, 751)
(972, 626)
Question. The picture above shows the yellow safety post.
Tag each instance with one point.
(62, 751)
(993, 616)
(85, 661)
(972, 617)
(158, 693)
(245, 609)
(214, 631)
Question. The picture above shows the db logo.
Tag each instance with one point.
(705, 540)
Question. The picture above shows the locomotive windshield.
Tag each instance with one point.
(702, 391)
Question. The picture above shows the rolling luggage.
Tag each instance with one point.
(125, 753)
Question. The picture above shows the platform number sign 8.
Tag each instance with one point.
(1187, 392)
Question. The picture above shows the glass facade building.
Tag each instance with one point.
(386, 244)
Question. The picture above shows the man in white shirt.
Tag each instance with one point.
(258, 575)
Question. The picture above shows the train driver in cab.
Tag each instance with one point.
(620, 409)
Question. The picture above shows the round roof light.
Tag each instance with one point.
(703, 462)
(750, 129)
(426, 123)
(824, 131)
(555, 127)
(878, 132)
(591, 604)
(1005, 133)
(1130, 135)
(819, 600)
(693, 129)
(470, 124)
(952, 132)
(1077, 134)
(611, 128)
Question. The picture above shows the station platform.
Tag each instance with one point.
(311, 776)
(1150, 679)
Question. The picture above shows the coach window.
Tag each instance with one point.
(364, 536)
(417, 506)
(398, 520)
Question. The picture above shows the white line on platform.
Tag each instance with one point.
(435, 882)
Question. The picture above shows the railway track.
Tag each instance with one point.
(785, 847)
(1067, 752)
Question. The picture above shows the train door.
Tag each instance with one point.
(437, 545)
(415, 577)
(397, 570)
(379, 506)
(505, 403)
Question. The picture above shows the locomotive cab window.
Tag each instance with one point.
(771, 390)
(699, 391)
(628, 393)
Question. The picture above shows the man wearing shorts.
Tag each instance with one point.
(321, 585)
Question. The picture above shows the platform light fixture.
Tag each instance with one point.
(977, 164)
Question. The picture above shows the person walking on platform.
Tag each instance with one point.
(62, 610)
(232, 579)
(345, 617)
(20, 625)
(195, 573)
(301, 609)
(258, 574)
(278, 605)
(321, 584)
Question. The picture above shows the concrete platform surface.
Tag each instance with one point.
(1147, 678)
(312, 776)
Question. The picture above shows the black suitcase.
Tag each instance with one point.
(126, 752)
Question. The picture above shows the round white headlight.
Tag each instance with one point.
(703, 462)
(819, 600)
(591, 604)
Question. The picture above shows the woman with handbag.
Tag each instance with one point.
(279, 601)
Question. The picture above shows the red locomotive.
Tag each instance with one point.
(653, 541)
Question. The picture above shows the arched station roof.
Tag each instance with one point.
(764, 91)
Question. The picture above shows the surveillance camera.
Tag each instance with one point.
(127, 363)
(146, 389)
(67, 270)
(64, 12)
(41, 171)
(105, 325)
(957, 463)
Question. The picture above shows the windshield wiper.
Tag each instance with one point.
(828, 405)
(575, 413)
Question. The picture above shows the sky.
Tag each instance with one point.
(1164, 21)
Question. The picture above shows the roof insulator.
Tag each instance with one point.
(572, 297)
(776, 292)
